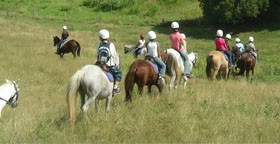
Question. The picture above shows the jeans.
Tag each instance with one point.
(186, 62)
(162, 66)
(117, 74)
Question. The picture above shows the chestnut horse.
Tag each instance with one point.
(216, 61)
(142, 72)
(245, 63)
(70, 46)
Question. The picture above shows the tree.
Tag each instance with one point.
(233, 11)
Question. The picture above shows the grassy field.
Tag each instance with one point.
(233, 111)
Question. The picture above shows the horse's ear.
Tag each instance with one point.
(17, 80)
(7, 80)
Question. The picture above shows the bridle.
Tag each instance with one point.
(11, 101)
(195, 60)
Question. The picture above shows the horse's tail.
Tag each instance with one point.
(209, 65)
(129, 83)
(72, 93)
(79, 49)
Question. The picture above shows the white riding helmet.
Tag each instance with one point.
(251, 39)
(104, 34)
(219, 33)
(174, 25)
(183, 36)
(151, 35)
(228, 36)
(64, 27)
(237, 40)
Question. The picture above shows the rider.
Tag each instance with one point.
(250, 47)
(139, 46)
(239, 45)
(184, 44)
(109, 47)
(176, 43)
(154, 51)
(64, 36)
(229, 47)
(222, 46)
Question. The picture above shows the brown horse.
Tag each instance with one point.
(71, 46)
(142, 73)
(245, 63)
(216, 61)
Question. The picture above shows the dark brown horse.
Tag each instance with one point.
(142, 73)
(71, 46)
(246, 63)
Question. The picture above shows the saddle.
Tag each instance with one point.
(151, 60)
(63, 43)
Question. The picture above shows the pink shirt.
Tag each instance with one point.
(220, 44)
(176, 40)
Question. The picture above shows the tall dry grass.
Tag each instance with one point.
(233, 111)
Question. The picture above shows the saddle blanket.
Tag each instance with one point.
(154, 66)
(109, 76)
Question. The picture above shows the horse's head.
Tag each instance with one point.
(14, 98)
(193, 58)
(56, 40)
(163, 56)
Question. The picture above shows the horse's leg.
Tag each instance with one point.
(247, 72)
(149, 89)
(227, 74)
(160, 88)
(91, 98)
(96, 104)
(82, 98)
(107, 108)
(215, 74)
(172, 83)
(141, 85)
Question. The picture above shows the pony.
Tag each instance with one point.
(142, 72)
(131, 49)
(175, 66)
(216, 61)
(70, 46)
(92, 81)
(9, 92)
(246, 63)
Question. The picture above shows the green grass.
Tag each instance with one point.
(233, 111)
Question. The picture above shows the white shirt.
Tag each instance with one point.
(152, 49)
(141, 43)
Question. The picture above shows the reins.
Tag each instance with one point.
(15, 94)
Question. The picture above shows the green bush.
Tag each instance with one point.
(108, 5)
(233, 11)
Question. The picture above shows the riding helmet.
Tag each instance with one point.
(219, 33)
(174, 25)
(152, 35)
(251, 39)
(104, 34)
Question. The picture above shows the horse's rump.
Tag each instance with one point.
(142, 73)
(216, 61)
(90, 80)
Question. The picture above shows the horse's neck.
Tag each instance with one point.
(6, 91)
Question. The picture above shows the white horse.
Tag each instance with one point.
(175, 66)
(92, 81)
(9, 94)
